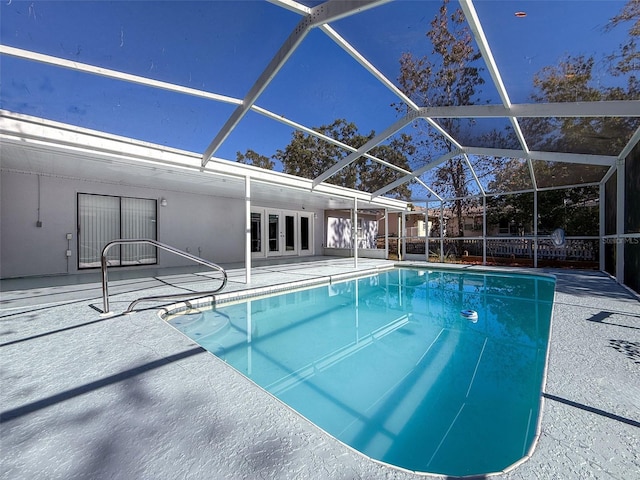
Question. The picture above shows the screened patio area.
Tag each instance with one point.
(482, 133)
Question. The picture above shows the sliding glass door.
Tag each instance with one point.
(103, 218)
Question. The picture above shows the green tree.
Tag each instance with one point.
(572, 80)
(627, 59)
(374, 175)
(308, 156)
(573, 209)
(449, 76)
(252, 158)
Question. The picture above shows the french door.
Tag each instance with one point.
(276, 233)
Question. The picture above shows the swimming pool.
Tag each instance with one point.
(391, 366)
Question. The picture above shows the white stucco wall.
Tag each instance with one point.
(25, 248)
(213, 224)
(208, 226)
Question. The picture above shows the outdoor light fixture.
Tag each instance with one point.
(163, 202)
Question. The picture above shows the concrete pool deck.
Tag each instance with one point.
(85, 396)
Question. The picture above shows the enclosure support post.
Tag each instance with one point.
(441, 232)
(601, 232)
(403, 233)
(535, 228)
(386, 234)
(426, 231)
(247, 224)
(354, 232)
(399, 236)
(484, 230)
(620, 220)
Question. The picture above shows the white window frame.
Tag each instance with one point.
(118, 221)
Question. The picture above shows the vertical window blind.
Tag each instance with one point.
(103, 218)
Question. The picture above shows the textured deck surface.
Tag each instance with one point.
(84, 396)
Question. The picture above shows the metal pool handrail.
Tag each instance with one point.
(168, 248)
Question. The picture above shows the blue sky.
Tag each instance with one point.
(222, 47)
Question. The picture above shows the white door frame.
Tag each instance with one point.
(295, 243)
(310, 238)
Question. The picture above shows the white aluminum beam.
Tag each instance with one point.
(508, 192)
(532, 174)
(313, 133)
(277, 62)
(415, 173)
(610, 108)
(518, 192)
(453, 199)
(473, 172)
(358, 57)
(91, 69)
(520, 136)
(580, 158)
(114, 74)
(397, 126)
(333, 10)
(476, 28)
(443, 132)
(429, 189)
(355, 54)
(566, 187)
(292, 6)
(635, 138)
(581, 109)
(478, 32)
(323, 13)
(608, 175)
(546, 156)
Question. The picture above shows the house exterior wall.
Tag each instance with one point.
(39, 211)
(25, 248)
(209, 226)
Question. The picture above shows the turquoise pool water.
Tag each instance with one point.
(389, 365)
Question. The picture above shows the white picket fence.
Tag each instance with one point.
(584, 250)
(572, 249)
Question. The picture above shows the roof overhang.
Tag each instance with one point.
(39, 146)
